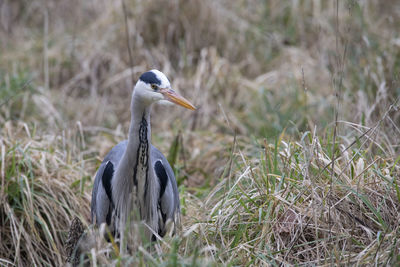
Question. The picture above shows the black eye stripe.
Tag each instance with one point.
(150, 77)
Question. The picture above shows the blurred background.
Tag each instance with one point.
(258, 71)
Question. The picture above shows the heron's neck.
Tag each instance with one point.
(134, 163)
(139, 139)
(139, 130)
(132, 179)
(133, 170)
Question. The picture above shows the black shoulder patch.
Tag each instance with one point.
(108, 218)
(150, 77)
(162, 176)
(106, 179)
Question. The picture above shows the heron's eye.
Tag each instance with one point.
(154, 87)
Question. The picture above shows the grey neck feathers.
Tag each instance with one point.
(132, 178)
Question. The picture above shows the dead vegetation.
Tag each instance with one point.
(268, 174)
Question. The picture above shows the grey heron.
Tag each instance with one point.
(134, 168)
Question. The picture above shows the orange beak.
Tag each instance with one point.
(173, 97)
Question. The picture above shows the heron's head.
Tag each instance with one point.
(153, 86)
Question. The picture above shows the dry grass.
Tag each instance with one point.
(268, 174)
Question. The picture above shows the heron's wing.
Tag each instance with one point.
(168, 204)
(101, 206)
(95, 191)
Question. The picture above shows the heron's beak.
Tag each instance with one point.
(172, 96)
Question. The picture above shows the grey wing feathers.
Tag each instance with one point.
(101, 206)
(168, 205)
(95, 191)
